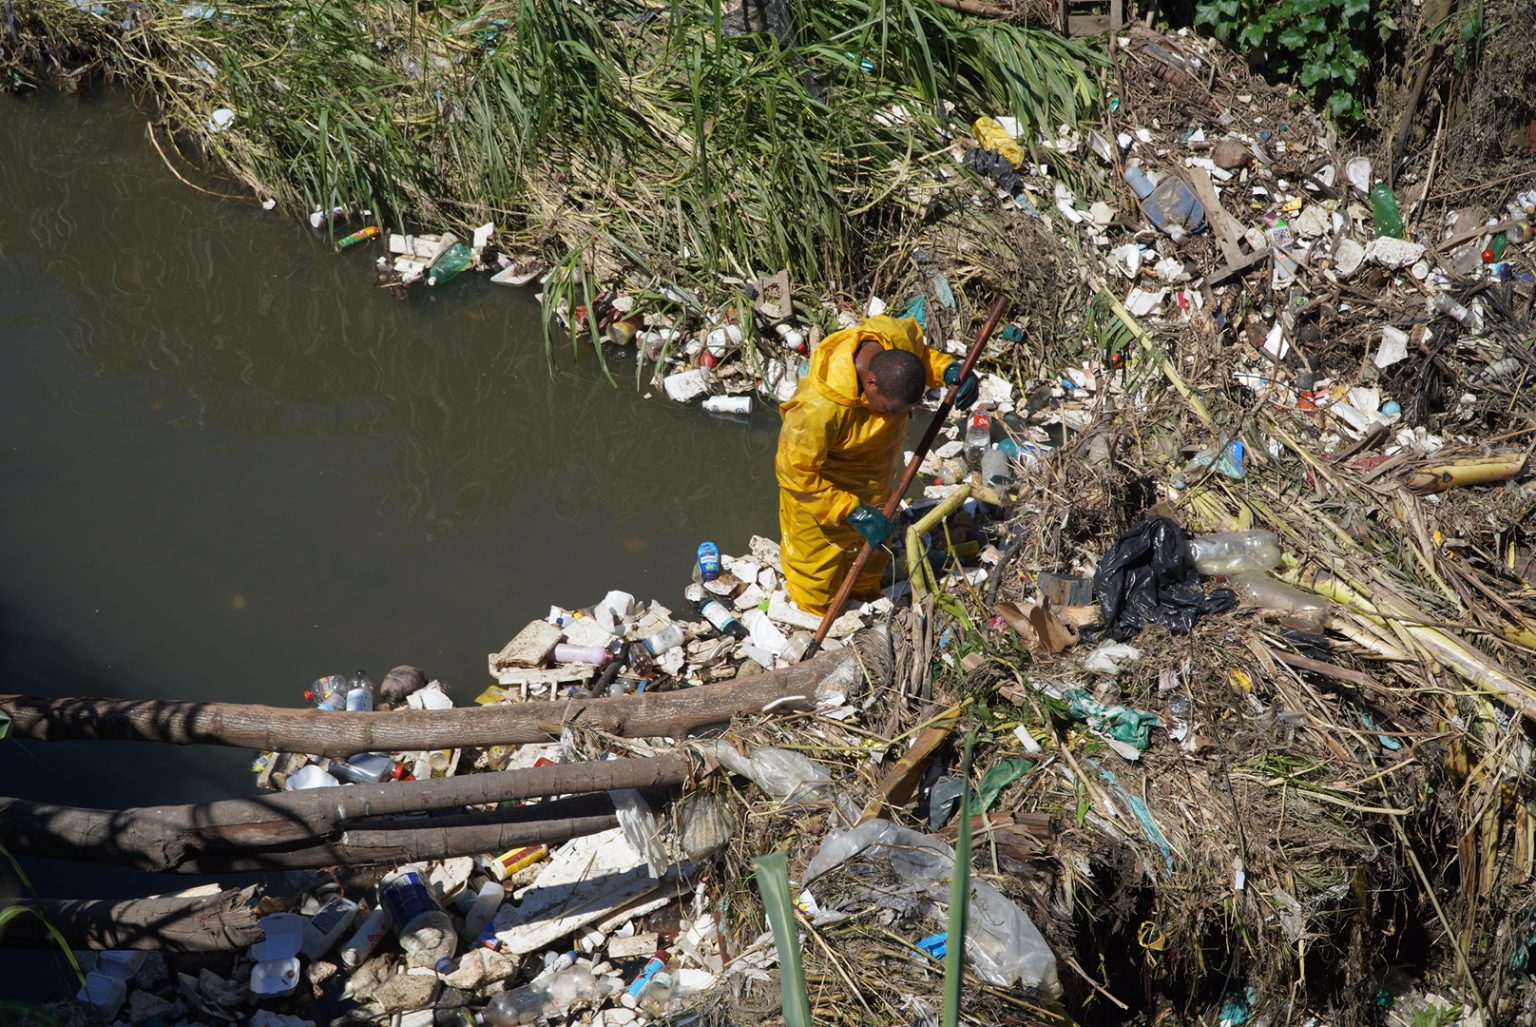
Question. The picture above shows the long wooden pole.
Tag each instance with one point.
(894, 499)
(213, 834)
(338, 734)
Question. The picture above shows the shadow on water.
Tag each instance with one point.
(228, 465)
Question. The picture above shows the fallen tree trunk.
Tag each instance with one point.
(195, 838)
(337, 734)
(206, 923)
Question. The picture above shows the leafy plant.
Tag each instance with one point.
(1324, 46)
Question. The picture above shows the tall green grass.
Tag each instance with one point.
(637, 136)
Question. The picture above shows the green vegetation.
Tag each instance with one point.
(619, 138)
(1324, 46)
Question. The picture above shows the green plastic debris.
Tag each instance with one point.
(999, 777)
(1122, 723)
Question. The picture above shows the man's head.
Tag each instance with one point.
(893, 382)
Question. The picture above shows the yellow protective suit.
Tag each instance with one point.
(835, 453)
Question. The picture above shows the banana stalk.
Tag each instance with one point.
(1454, 474)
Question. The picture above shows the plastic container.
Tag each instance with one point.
(995, 468)
(728, 404)
(487, 900)
(327, 693)
(548, 997)
(978, 437)
(360, 693)
(310, 776)
(276, 972)
(102, 994)
(346, 242)
(593, 654)
(669, 637)
(425, 928)
(724, 620)
(1447, 305)
(1384, 212)
(658, 993)
(652, 967)
(327, 927)
(1171, 205)
(449, 263)
(1235, 552)
(709, 561)
(366, 938)
(367, 768)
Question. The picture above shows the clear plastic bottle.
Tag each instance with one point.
(360, 692)
(978, 437)
(669, 637)
(1235, 552)
(658, 993)
(548, 997)
(425, 928)
(327, 693)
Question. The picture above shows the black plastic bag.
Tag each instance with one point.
(1150, 578)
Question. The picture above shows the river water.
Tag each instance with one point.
(231, 465)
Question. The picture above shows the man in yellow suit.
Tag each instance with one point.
(840, 451)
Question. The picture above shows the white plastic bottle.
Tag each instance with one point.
(326, 927)
(366, 938)
(360, 693)
(669, 637)
(487, 900)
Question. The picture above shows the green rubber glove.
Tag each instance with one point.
(871, 523)
(970, 385)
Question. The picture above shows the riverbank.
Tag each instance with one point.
(1317, 805)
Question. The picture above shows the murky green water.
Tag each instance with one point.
(231, 465)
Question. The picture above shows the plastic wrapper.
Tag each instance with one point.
(1001, 941)
(1235, 552)
(640, 828)
(1149, 578)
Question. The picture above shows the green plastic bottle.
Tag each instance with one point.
(1384, 211)
(449, 263)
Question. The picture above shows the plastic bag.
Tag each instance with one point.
(1235, 552)
(784, 775)
(640, 828)
(1149, 578)
(1001, 941)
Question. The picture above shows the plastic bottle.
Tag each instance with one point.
(995, 469)
(593, 654)
(728, 404)
(978, 437)
(360, 693)
(449, 263)
(326, 927)
(366, 938)
(1171, 205)
(1384, 211)
(669, 637)
(709, 561)
(725, 622)
(1235, 552)
(327, 693)
(425, 928)
(1447, 305)
(367, 768)
(361, 235)
(548, 997)
(657, 994)
(487, 900)
(652, 967)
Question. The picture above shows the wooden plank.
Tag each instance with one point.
(1116, 15)
(1087, 24)
(1225, 227)
(1237, 266)
(529, 648)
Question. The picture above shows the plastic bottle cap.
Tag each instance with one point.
(443, 965)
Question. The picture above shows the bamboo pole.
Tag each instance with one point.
(338, 734)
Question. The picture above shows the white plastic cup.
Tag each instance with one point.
(311, 776)
(366, 938)
(728, 404)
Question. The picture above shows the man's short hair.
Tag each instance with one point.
(899, 375)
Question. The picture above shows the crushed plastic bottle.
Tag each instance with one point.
(1171, 205)
(548, 997)
(1235, 552)
(669, 637)
(327, 693)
